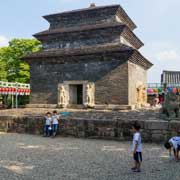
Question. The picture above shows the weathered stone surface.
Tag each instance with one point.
(171, 105)
(93, 45)
(93, 124)
(154, 125)
(158, 137)
(89, 16)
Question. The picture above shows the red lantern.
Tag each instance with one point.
(13, 91)
(9, 90)
(3, 90)
(174, 90)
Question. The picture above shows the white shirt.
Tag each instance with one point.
(48, 120)
(55, 119)
(175, 142)
(137, 140)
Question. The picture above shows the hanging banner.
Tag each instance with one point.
(21, 89)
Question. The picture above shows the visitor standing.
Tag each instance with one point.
(55, 123)
(48, 122)
(137, 148)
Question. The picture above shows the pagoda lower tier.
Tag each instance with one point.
(88, 76)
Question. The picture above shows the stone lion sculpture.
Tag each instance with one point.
(171, 105)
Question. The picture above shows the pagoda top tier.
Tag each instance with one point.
(88, 16)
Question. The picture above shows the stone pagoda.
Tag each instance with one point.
(90, 58)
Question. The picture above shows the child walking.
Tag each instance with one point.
(137, 148)
(55, 123)
(173, 143)
(48, 122)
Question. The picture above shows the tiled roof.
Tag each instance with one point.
(116, 6)
(115, 9)
(131, 54)
(132, 38)
(78, 51)
(170, 77)
(77, 29)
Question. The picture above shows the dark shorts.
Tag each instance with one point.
(138, 157)
(177, 148)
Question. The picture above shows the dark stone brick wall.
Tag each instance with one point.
(80, 39)
(136, 75)
(113, 87)
(77, 56)
(110, 77)
(82, 18)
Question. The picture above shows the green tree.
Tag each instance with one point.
(12, 67)
(3, 67)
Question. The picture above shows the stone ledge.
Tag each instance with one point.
(114, 107)
(156, 125)
(41, 106)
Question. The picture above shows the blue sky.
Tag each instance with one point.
(157, 22)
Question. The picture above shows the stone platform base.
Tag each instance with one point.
(94, 124)
(114, 107)
(41, 106)
(97, 107)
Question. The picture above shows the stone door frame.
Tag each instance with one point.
(65, 103)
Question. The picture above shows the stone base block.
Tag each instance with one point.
(41, 106)
(114, 107)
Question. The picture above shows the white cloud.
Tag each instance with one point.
(165, 55)
(3, 41)
(168, 55)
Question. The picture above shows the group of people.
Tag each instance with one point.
(158, 100)
(173, 144)
(51, 124)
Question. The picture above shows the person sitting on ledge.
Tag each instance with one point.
(173, 143)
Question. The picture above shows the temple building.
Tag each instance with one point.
(170, 78)
(90, 58)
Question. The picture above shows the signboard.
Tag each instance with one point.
(21, 89)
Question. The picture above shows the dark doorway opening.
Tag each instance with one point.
(76, 94)
(80, 94)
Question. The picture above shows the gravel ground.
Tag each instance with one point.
(26, 157)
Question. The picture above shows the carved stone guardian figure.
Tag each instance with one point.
(90, 93)
(141, 96)
(62, 100)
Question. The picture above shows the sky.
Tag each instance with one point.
(158, 25)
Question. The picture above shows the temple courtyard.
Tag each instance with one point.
(31, 157)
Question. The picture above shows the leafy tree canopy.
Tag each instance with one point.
(12, 67)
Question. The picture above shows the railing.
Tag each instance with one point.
(159, 85)
(14, 89)
(158, 88)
